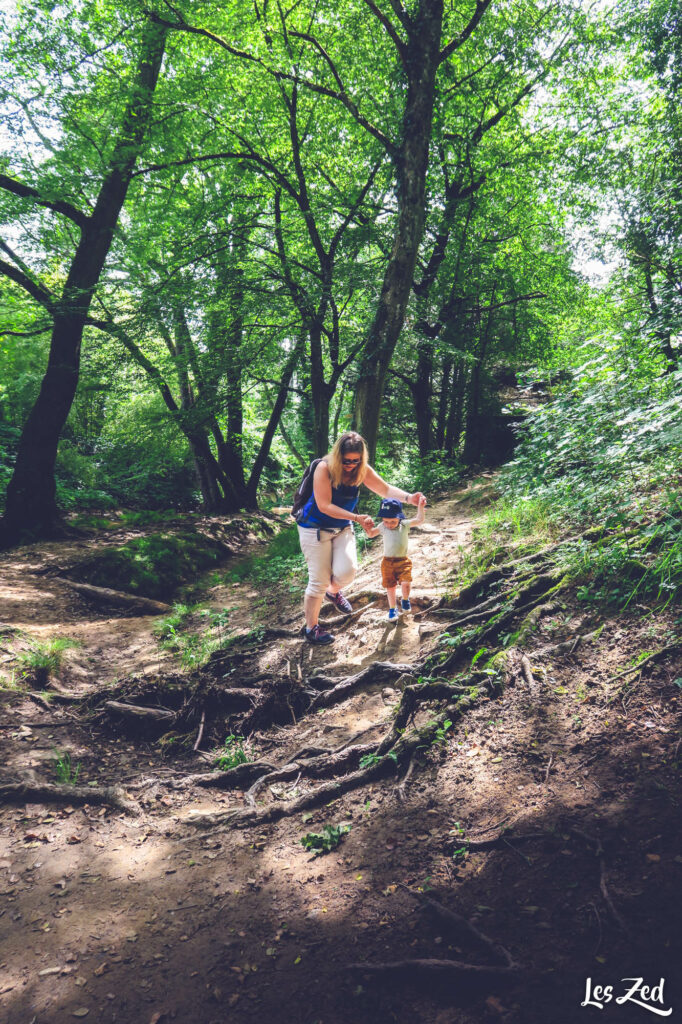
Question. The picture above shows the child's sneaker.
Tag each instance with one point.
(392, 614)
(405, 605)
(318, 635)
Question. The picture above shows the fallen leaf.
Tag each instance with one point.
(494, 1004)
(82, 1011)
(653, 858)
(99, 971)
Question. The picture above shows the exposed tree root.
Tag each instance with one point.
(656, 656)
(566, 646)
(132, 603)
(335, 691)
(276, 703)
(460, 929)
(437, 970)
(341, 620)
(234, 778)
(141, 713)
(322, 795)
(18, 792)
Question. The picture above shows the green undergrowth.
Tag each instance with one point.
(194, 633)
(153, 566)
(279, 561)
(603, 454)
(90, 521)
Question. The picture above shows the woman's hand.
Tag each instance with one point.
(416, 499)
(366, 522)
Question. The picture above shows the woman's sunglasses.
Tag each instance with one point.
(351, 462)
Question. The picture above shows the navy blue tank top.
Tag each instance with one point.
(344, 496)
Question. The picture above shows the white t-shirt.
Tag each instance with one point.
(395, 541)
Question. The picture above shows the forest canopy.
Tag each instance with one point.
(231, 231)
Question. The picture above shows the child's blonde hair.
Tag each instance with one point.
(349, 441)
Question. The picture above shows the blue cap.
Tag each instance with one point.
(391, 508)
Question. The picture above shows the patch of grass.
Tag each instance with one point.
(234, 754)
(166, 628)
(66, 773)
(326, 840)
(194, 648)
(9, 682)
(88, 521)
(147, 518)
(44, 658)
(152, 566)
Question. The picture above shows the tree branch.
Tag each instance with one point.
(18, 188)
(390, 29)
(342, 96)
(481, 7)
(36, 290)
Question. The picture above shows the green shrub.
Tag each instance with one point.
(606, 438)
(602, 452)
(326, 840)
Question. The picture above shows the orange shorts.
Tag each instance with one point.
(395, 570)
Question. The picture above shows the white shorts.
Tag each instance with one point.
(333, 557)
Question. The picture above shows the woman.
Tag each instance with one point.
(325, 531)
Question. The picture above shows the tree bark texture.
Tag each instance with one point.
(411, 160)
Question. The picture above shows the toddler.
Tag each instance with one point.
(396, 567)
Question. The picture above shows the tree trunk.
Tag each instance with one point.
(31, 508)
(337, 416)
(453, 429)
(320, 393)
(421, 392)
(472, 436)
(443, 404)
(275, 417)
(411, 159)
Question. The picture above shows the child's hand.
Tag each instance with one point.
(366, 522)
(422, 501)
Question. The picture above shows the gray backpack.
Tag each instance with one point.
(305, 489)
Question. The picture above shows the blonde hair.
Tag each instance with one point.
(347, 442)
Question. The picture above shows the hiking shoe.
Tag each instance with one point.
(405, 605)
(318, 635)
(340, 602)
(392, 614)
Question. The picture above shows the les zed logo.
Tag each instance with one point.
(639, 994)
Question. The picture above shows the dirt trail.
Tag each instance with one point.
(113, 918)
